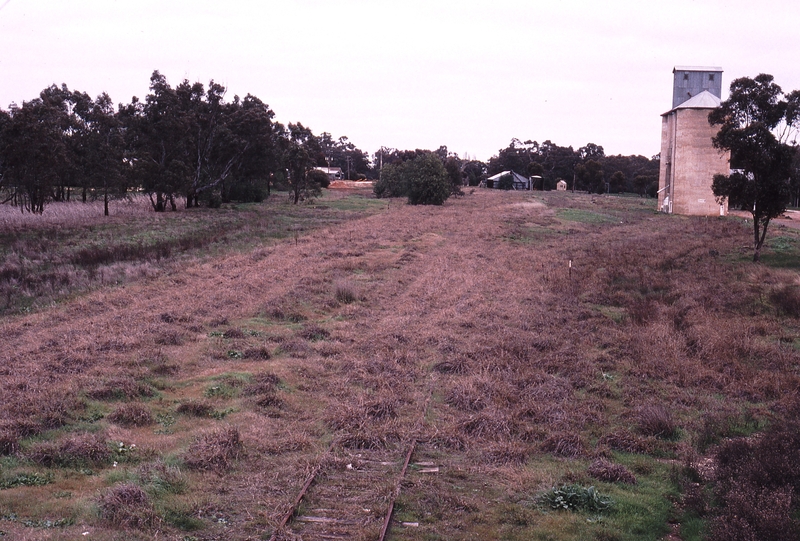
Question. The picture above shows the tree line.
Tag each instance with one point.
(586, 169)
(183, 144)
(189, 146)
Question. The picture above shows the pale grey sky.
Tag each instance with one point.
(410, 74)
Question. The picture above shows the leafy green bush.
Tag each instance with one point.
(392, 182)
(428, 183)
(319, 177)
(576, 498)
(423, 179)
(506, 182)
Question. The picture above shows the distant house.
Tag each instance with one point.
(561, 185)
(334, 173)
(501, 180)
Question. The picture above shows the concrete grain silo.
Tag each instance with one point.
(689, 160)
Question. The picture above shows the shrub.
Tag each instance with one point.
(609, 472)
(427, 180)
(127, 505)
(423, 179)
(214, 451)
(506, 182)
(130, 415)
(119, 388)
(392, 182)
(319, 177)
(576, 498)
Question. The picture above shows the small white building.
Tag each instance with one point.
(561, 185)
(334, 173)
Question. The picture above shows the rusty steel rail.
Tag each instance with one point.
(387, 521)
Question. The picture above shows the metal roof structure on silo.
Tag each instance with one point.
(704, 100)
(689, 81)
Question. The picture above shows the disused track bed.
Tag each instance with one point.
(351, 492)
(350, 496)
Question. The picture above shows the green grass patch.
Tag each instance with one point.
(585, 216)
(32, 479)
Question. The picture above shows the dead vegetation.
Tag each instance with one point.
(234, 374)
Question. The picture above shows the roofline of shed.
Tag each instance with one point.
(697, 68)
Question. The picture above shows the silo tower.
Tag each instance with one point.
(689, 160)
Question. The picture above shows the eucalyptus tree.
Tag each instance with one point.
(758, 126)
(35, 156)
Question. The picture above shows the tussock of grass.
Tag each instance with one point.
(131, 415)
(73, 450)
(127, 505)
(215, 451)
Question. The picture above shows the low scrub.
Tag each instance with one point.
(604, 470)
(132, 415)
(215, 451)
(127, 505)
(576, 498)
(757, 488)
(76, 450)
(656, 420)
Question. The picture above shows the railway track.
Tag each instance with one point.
(351, 493)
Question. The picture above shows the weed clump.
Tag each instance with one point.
(160, 478)
(757, 485)
(261, 384)
(132, 415)
(9, 443)
(656, 420)
(787, 300)
(564, 444)
(627, 442)
(233, 334)
(127, 505)
(576, 498)
(76, 450)
(214, 451)
(607, 471)
(196, 408)
(26, 480)
(258, 354)
(345, 294)
(314, 333)
(118, 388)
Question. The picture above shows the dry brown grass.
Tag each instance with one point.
(215, 451)
(127, 505)
(475, 339)
(73, 450)
(133, 414)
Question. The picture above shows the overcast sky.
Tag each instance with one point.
(408, 74)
